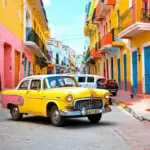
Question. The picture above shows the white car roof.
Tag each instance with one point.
(89, 75)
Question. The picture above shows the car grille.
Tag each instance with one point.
(88, 104)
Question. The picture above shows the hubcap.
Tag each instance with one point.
(56, 116)
(15, 112)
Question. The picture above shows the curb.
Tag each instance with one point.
(130, 110)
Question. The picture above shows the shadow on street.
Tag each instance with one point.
(71, 123)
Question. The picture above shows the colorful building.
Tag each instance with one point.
(59, 57)
(22, 39)
(124, 44)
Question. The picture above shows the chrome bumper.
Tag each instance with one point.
(82, 112)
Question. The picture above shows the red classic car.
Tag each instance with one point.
(108, 84)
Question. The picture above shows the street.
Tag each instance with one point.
(117, 130)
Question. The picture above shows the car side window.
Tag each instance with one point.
(35, 84)
(24, 85)
(81, 79)
(90, 79)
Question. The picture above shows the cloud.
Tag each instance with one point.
(47, 2)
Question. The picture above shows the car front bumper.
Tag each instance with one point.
(83, 112)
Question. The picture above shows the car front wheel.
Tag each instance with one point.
(16, 115)
(95, 118)
(56, 118)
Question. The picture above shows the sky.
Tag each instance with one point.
(66, 20)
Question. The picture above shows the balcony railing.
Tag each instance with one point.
(31, 35)
(145, 15)
(127, 18)
(132, 16)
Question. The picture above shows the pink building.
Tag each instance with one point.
(11, 58)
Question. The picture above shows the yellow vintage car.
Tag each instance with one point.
(57, 97)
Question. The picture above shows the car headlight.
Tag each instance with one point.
(107, 96)
(69, 98)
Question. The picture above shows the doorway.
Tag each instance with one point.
(29, 68)
(134, 72)
(125, 71)
(17, 67)
(25, 66)
(119, 76)
(147, 69)
(112, 69)
(7, 66)
(107, 69)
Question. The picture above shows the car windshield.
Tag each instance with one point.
(61, 81)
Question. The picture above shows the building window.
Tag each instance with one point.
(118, 14)
(99, 68)
(57, 59)
(34, 25)
(104, 29)
(146, 6)
(28, 19)
(110, 25)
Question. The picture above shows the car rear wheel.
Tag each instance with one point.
(16, 115)
(56, 118)
(95, 118)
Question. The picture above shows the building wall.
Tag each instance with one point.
(8, 39)
(13, 20)
(138, 42)
(12, 37)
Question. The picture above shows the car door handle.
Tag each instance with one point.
(28, 92)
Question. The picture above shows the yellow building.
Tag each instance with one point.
(23, 33)
(91, 31)
(36, 32)
(125, 43)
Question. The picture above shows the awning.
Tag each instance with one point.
(112, 50)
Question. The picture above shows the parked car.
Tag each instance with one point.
(95, 81)
(110, 85)
(87, 80)
(51, 96)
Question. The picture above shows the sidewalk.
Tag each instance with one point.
(139, 106)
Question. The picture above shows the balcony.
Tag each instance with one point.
(34, 43)
(94, 53)
(88, 58)
(110, 42)
(107, 39)
(105, 7)
(132, 22)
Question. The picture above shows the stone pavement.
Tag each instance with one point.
(139, 106)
